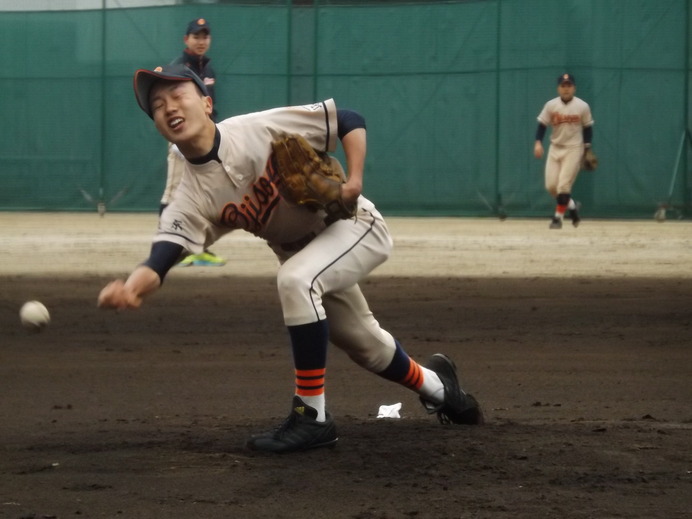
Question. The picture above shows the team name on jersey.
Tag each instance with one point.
(558, 118)
(253, 212)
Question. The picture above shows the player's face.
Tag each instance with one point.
(566, 91)
(181, 112)
(198, 44)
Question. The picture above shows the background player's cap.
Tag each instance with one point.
(144, 79)
(566, 78)
(198, 25)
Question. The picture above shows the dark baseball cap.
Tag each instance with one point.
(566, 78)
(198, 25)
(144, 79)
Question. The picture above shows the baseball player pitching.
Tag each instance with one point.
(228, 184)
(572, 131)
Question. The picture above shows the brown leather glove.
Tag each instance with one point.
(305, 177)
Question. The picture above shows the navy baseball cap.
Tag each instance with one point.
(198, 25)
(566, 78)
(144, 79)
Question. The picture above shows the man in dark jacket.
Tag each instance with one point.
(197, 42)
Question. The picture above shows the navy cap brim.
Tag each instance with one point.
(144, 79)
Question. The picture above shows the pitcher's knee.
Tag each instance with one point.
(301, 301)
(370, 350)
(373, 361)
(290, 280)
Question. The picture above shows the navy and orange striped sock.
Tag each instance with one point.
(310, 389)
(407, 372)
(309, 343)
(562, 204)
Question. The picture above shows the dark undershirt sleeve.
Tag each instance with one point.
(164, 255)
(587, 132)
(540, 132)
(347, 121)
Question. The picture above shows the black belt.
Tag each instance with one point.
(293, 246)
(299, 243)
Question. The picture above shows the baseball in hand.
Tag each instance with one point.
(34, 315)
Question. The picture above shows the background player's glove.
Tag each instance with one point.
(590, 160)
(305, 177)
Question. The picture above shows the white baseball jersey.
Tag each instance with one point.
(567, 121)
(321, 264)
(175, 165)
(238, 193)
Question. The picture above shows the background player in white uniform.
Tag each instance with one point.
(197, 43)
(571, 122)
(228, 185)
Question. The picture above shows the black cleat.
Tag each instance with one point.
(458, 407)
(299, 432)
(556, 223)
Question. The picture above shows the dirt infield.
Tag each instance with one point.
(578, 344)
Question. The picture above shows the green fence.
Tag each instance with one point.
(450, 92)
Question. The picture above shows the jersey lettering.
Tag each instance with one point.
(313, 107)
(252, 214)
(558, 118)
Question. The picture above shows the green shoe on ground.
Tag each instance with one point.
(206, 259)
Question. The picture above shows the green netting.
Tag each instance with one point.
(450, 92)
